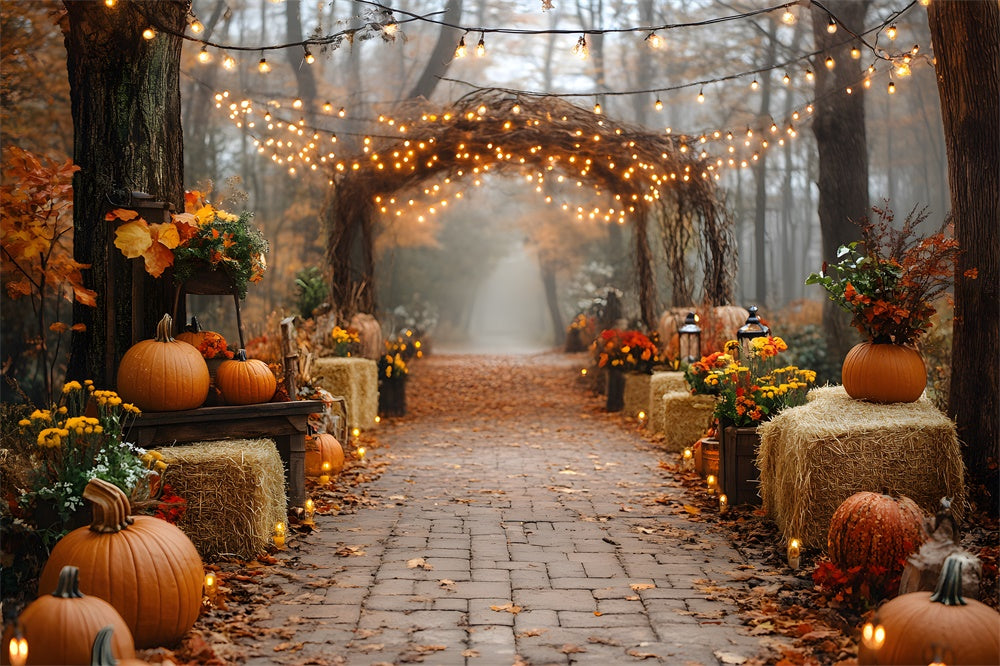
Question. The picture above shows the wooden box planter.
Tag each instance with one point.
(392, 397)
(739, 477)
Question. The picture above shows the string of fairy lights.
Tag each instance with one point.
(297, 146)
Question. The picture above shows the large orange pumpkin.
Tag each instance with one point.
(245, 381)
(143, 566)
(322, 448)
(162, 374)
(884, 373)
(872, 529)
(59, 627)
(939, 627)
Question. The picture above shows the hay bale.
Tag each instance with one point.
(815, 456)
(659, 384)
(354, 378)
(686, 418)
(636, 394)
(235, 492)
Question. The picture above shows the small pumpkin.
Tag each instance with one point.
(162, 374)
(102, 653)
(245, 381)
(322, 448)
(874, 529)
(193, 333)
(925, 627)
(143, 566)
(59, 627)
(884, 373)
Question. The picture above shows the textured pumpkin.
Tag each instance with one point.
(323, 448)
(143, 566)
(884, 373)
(245, 381)
(60, 627)
(192, 334)
(102, 654)
(925, 627)
(872, 529)
(162, 374)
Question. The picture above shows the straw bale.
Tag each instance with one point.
(815, 456)
(354, 378)
(686, 418)
(235, 492)
(636, 393)
(659, 384)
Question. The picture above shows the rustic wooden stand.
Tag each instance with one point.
(284, 422)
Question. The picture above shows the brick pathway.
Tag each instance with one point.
(509, 488)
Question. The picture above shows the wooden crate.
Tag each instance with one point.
(739, 477)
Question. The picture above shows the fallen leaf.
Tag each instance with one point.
(348, 551)
(430, 648)
(641, 655)
(600, 640)
(418, 562)
(370, 647)
(598, 613)
(638, 587)
(290, 647)
(509, 607)
(632, 597)
(531, 632)
(692, 509)
(729, 657)
(470, 653)
(569, 648)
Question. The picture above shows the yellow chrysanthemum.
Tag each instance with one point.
(72, 386)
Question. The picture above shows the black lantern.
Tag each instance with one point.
(753, 328)
(689, 339)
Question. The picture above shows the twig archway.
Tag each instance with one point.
(647, 174)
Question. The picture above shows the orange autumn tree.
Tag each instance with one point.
(38, 264)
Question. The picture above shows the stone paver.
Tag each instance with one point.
(519, 494)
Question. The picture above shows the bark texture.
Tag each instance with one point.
(842, 145)
(125, 95)
(965, 42)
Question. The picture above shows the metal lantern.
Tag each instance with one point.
(689, 339)
(753, 328)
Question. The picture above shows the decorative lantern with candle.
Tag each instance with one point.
(753, 328)
(211, 586)
(687, 459)
(18, 650)
(711, 482)
(873, 634)
(279, 535)
(689, 339)
(723, 504)
(361, 453)
(310, 512)
(324, 477)
(794, 553)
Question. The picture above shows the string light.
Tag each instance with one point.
(297, 103)
(342, 112)
(855, 53)
(263, 67)
(228, 62)
(831, 27)
(581, 50)
(460, 50)
(204, 56)
(786, 79)
(809, 75)
(658, 105)
(597, 108)
(196, 26)
(787, 17)
(701, 96)
(327, 107)
(390, 28)
(892, 87)
(891, 32)
(481, 46)
(109, 3)
(655, 41)
(148, 33)
(830, 64)
(754, 85)
(309, 57)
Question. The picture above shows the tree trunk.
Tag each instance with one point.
(442, 55)
(125, 95)
(839, 126)
(968, 67)
(552, 300)
(760, 182)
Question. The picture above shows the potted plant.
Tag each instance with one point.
(202, 244)
(621, 352)
(888, 282)
(392, 374)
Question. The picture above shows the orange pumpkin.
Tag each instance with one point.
(192, 334)
(245, 381)
(143, 566)
(873, 529)
(884, 373)
(59, 627)
(939, 627)
(162, 374)
(322, 448)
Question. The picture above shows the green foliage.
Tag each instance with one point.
(807, 349)
(311, 291)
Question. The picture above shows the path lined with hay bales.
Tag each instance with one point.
(516, 522)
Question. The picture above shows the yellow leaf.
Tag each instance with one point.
(58, 327)
(133, 238)
(509, 607)
(166, 234)
(78, 327)
(637, 587)
(158, 258)
(692, 509)
(123, 214)
(85, 297)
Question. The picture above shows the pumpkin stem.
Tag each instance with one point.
(68, 586)
(241, 355)
(165, 329)
(949, 586)
(194, 326)
(101, 654)
(111, 507)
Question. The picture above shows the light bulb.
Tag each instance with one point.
(327, 107)
(658, 105)
(892, 88)
(297, 103)
(390, 28)
(581, 50)
(655, 41)
(855, 53)
(460, 50)
(204, 56)
(809, 75)
(754, 85)
(109, 3)
(701, 96)
(481, 48)
(831, 27)
(830, 64)
(342, 112)
(597, 108)
(263, 67)
(148, 33)
(787, 17)
(891, 32)
(786, 79)
(516, 109)
(309, 57)
(197, 26)
(229, 62)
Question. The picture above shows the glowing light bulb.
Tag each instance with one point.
(831, 27)
(891, 32)
(787, 17)
(309, 57)
(390, 28)
(581, 50)
(481, 47)
(809, 75)
(461, 51)
(109, 3)
(196, 26)
(204, 56)
(297, 103)
(855, 53)
(830, 63)
(701, 96)
(148, 33)
(754, 85)
(516, 109)
(342, 112)
(658, 105)
(263, 67)
(786, 79)
(229, 62)
(655, 41)
(892, 88)
(597, 108)
(327, 107)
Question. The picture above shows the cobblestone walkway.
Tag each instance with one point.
(516, 523)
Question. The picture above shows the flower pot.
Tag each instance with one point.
(615, 401)
(707, 456)
(739, 477)
(884, 373)
(392, 397)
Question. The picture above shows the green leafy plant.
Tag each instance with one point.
(311, 291)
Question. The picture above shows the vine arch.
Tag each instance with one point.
(653, 176)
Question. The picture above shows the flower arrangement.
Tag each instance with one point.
(888, 281)
(214, 346)
(345, 341)
(202, 235)
(631, 351)
(392, 367)
(753, 389)
(72, 446)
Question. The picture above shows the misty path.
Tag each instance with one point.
(515, 522)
